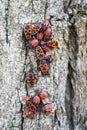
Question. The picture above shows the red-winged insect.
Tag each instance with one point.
(29, 113)
(26, 32)
(47, 33)
(31, 30)
(34, 103)
(52, 43)
(45, 24)
(32, 44)
(44, 46)
(36, 100)
(47, 108)
(43, 94)
(44, 64)
(26, 98)
(39, 36)
(31, 79)
(39, 52)
(30, 109)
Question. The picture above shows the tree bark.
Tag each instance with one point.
(67, 79)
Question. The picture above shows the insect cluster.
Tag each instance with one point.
(34, 104)
(38, 36)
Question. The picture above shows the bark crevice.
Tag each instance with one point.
(73, 37)
(6, 20)
(26, 89)
(45, 10)
(21, 110)
(69, 95)
(24, 71)
(67, 6)
(22, 118)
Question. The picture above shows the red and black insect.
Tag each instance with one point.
(43, 94)
(39, 53)
(47, 108)
(32, 44)
(31, 78)
(44, 66)
(35, 104)
(47, 45)
(53, 43)
(47, 33)
(26, 98)
(36, 100)
(30, 109)
(31, 30)
(40, 35)
(26, 32)
(45, 24)
(31, 106)
(29, 113)
(44, 46)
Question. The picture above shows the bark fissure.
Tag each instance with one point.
(33, 8)
(56, 120)
(22, 118)
(69, 98)
(26, 89)
(45, 10)
(67, 6)
(73, 44)
(21, 110)
(69, 94)
(24, 71)
(6, 20)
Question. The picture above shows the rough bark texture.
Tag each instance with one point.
(67, 80)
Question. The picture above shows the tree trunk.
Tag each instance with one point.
(67, 79)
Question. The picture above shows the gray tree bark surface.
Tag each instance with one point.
(67, 79)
